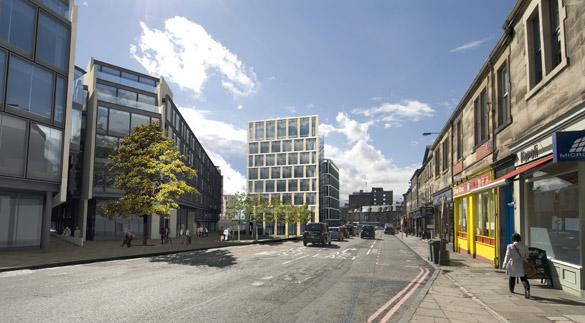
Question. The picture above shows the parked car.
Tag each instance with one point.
(368, 231)
(345, 232)
(389, 229)
(316, 233)
(351, 229)
(336, 233)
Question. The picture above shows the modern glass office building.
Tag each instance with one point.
(109, 102)
(37, 48)
(283, 161)
(329, 193)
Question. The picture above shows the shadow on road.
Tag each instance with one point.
(215, 258)
(332, 246)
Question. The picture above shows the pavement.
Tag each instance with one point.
(61, 252)
(356, 280)
(472, 291)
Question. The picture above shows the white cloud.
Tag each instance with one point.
(470, 45)
(85, 4)
(240, 107)
(394, 114)
(352, 129)
(221, 137)
(361, 162)
(185, 54)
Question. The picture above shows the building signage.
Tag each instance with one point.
(474, 183)
(568, 146)
(529, 154)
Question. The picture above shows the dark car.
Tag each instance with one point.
(389, 230)
(316, 233)
(368, 231)
(336, 233)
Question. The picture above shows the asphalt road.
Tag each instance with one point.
(350, 281)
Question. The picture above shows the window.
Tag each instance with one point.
(253, 173)
(106, 89)
(313, 126)
(503, 96)
(119, 122)
(281, 159)
(138, 120)
(292, 128)
(30, 88)
(105, 146)
(109, 70)
(286, 172)
(250, 129)
(298, 145)
(102, 119)
(259, 160)
(481, 118)
(128, 95)
(264, 173)
(287, 146)
(298, 171)
(305, 185)
(459, 138)
(275, 146)
(270, 131)
(445, 154)
(253, 148)
(304, 158)
(151, 100)
(535, 49)
(293, 185)
(130, 76)
(310, 143)
(275, 173)
(310, 171)
(270, 160)
(2, 72)
(281, 186)
(258, 187)
(485, 220)
(60, 99)
(44, 152)
(17, 24)
(269, 186)
(60, 7)
(76, 126)
(438, 161)
(555, 33)
(53, 42)
(299, 198)
(12, 145)
(462, 215)
(293, 158)
(20, 219)
(304, 127)
(259, 130)
(265, 147)
(281, 129)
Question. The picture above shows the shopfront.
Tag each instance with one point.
(443, 214)
(475, 217)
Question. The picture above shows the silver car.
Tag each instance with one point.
(336, 234)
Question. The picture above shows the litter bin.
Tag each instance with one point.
(435, 245)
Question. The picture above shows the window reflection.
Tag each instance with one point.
(44, 153)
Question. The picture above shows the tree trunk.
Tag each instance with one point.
(275, 227)
(145, 229)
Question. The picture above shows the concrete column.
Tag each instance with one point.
(154, 226)
(46, 226)
(82, 219)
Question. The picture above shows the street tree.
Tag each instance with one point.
(237, 209)
(254, 208)
(289, 211)
(150, 170)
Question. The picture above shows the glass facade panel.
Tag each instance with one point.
(310, 171)
(151, 100)
(106, 89)
(281, 129)
(298, 145)
(281, 159)
(264, 173)
(293, 185)
(259, 160)
(53, 42)
(2, 72)
(253, 148)
(76, 126)
(138, 119)
(304, 127)
(265, 147)
(292, 128)
(30, 88)
(310, 144)
(119, 122)
(553, 206)
(102, 119)
(253, 173)
(270, 130)
(275, 173)
(286, 172)
(305, 158)
(17, 24)
(287, 146)
(299, 198)
(60, 99)
(20, 219)
(105, 146)
(269, 186)
(298, 170)
(281, 186)
(259, 127)
(128, 95)
(258, 187)
(270, 160)
(305, 185)
(60, 7)
(12, 145)
(44, 152)
(293, 159)
(275, 146)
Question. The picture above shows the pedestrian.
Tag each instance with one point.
(188, 235)
(221, 230)
(516, 255)
(128, 236)
(161, 231)
(226, 234)
(206, 231)
(181, 237)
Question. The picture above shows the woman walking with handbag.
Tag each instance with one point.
(515, 263)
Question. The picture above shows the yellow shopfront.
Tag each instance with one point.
(476, 218)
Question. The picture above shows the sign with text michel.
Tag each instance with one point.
(568, 146)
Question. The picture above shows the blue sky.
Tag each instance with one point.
(378, 73)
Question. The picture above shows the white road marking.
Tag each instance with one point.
(304, 280)
(353, 258)
(267, 277)
(257, 284)
(369, 250)
(315, 255)
(288, 262)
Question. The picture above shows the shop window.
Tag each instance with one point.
(485, 217)
(17, 24)
(12, 145)
(462, 215)
(30, 88)
(552, 211)
(53, 42)
(44, 152)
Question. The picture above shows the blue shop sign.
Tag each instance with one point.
(568, 146)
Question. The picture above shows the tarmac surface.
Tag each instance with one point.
(356, 280)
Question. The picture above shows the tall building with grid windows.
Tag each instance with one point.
(283, 161)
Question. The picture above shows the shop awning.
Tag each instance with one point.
(496, 183)
(526, 167)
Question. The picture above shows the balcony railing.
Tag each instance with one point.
(127, 82)
(127, 103)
